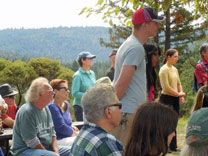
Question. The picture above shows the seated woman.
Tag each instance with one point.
(152, 130)
(60, 113)
(201, 98)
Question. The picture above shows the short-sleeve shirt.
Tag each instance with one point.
(200, 72)
(93, 140)
(32, 123)
(81, 81)
(131, 53)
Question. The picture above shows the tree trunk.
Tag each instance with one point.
(20, 95)
(167, 32)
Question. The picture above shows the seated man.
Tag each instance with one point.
(197, 134)
(33, 132)
(8, 95)
(102, 111)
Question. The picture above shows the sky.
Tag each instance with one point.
(46, 14)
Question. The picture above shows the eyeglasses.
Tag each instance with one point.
(11, 97)
(65, 88)
(117, 104)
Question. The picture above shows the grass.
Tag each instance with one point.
(181, 131)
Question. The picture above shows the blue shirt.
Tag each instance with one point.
(131, 53)
(62, 121)
(92, 140)
(82, 80)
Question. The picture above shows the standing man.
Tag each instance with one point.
(33, 132)
(8, 95)
(130, 67)
(110, 71)
(201, 69)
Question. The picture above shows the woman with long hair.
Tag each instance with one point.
(152, 59)
(82, 80)
(152, 137)
(172, 92)
(61, 116)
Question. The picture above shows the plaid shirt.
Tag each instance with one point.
(95, 141)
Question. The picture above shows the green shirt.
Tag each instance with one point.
(32, 127)
(82, 80)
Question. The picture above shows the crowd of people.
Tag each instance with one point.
(119, 111)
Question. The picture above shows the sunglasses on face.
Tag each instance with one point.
(65, 88)
(11, 97)
(119, 105)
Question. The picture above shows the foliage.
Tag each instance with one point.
(19, 74)
(117, 34)
(121, 10)
(4, 63)
(186, 70)
(100, 69)
(46, 67)
(181, 26)
(66, 74)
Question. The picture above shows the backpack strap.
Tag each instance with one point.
(203, 65)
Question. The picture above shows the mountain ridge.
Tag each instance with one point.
(59, 43)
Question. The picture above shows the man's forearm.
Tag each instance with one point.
(54, 145)
(120, 90)
(124, 79)
(9, 122)
(40, 146)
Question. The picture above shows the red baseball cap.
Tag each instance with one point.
(145, 15)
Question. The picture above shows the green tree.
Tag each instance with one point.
(4, 63)
(18, 74)
(100, 68)
(74, 66)
(66, 74)
(179, 26)
(46, 67)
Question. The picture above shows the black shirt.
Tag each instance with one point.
(110, 73)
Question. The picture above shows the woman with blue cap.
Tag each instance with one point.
(82, 80)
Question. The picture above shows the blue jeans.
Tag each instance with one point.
(1, 152)
(78, 112)
(63, 150)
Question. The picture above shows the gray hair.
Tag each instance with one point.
(35, 89)
(188, 150)
(96, 99)
(194, 151)
(203, 48)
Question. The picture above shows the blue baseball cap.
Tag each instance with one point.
(85, 54)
